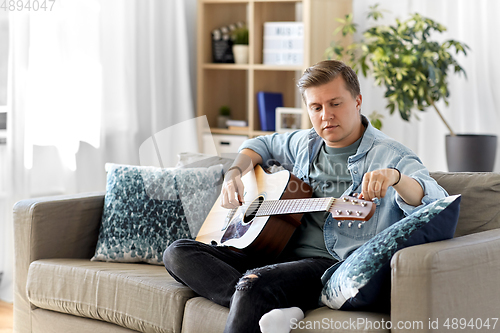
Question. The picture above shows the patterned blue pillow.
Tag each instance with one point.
(362, 281)
(147, 208)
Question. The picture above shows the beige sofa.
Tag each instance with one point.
(58, 289)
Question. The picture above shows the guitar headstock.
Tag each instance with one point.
(351, 208)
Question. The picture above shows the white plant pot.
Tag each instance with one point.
(221, 121)
(240, 53)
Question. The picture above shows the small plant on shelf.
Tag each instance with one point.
(240, 36)
(225, 111)
(224, 115)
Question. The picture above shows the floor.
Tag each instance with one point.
(6, 317)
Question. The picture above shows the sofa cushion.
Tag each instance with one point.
(147, 208)
(326, 320)
(136, 296)
(480, 197)
(58, 322)
(362, 281)
(202, 315)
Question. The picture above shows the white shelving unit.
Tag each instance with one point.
(236, 85)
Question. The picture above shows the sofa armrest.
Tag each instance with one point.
(456, 278)
(52, 227)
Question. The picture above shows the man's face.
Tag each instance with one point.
(334, 113)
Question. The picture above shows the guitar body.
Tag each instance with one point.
(241, 230)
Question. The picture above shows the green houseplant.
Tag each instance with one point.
(240, 44)
(224, 115)
(404, 59)
(411, 66)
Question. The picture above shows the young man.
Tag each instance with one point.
(342, 154)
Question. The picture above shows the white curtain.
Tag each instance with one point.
(91, 81)
(474, 104)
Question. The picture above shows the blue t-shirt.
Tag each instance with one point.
(329, 177)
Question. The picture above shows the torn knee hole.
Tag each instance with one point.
(246, 281)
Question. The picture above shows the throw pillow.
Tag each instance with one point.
(362, 281)
(147, 208)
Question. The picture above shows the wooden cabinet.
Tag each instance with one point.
(236, 85)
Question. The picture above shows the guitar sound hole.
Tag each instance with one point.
(252, 209)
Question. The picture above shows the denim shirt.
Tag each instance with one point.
(296, 151)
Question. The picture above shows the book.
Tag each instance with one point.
(267, 103)
(236, 123)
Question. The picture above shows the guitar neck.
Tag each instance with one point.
(293, 206)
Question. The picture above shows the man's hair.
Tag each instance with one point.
(326, 71)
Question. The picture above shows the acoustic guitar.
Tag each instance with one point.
(272, 209)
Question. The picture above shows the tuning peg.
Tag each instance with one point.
(349, 224)
(338, 211)
(359, 213)
(364, 204)
(354, 201)
(349, 212)
(339, 224)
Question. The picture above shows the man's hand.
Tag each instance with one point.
(232, 190)
(376, 183)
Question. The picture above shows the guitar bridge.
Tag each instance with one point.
(229, 217)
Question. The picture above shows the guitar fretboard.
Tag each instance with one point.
(280, 207)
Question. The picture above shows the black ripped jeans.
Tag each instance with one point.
(249, 286)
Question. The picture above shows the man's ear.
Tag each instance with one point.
(359, 101)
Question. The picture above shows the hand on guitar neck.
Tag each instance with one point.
(233, 187)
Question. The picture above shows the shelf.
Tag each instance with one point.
(246, 1)
(259, 67)
(226, 66)
(262, 67)
(227, 131)
(236, 85)
(277, 0)
(258, 133)
(225, 1)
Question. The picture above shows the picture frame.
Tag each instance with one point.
(288, 119)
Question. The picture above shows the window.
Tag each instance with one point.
(4, 57)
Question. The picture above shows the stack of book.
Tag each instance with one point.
(283, 43)
(237, 125)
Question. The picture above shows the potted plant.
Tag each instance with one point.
(414, 70)
(224, 116)
(240, 44)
